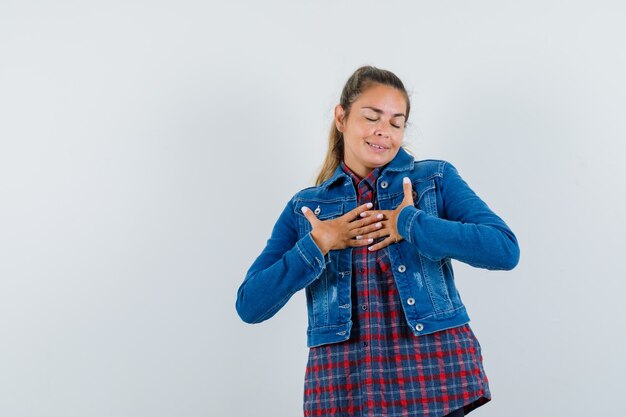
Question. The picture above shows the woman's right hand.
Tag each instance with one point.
(342, 232)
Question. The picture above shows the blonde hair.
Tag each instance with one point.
(358, 82)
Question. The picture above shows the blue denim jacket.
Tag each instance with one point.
(448, 221)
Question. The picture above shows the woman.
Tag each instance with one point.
(372, 245)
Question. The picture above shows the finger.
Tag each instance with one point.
(374, 235)
(408, 191)
(381, 244)
(310, 216)
(358, 224)
(354, 213)
(380, 214)
(360, 232)
(362, 242)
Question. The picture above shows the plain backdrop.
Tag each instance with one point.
(147, 148)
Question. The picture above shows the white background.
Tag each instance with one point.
(147, 148)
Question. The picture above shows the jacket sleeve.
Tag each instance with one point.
(469, 231)
(285, 266)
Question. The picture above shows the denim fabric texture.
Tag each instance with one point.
(448, 221)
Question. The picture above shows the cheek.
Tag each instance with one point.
(398, 138)
(359, 130)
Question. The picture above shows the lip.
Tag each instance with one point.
(376, 147)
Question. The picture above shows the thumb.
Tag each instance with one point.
(408, 192)
(310, 216)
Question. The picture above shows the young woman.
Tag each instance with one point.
(372, 245)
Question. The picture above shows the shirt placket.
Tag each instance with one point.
(364, 286)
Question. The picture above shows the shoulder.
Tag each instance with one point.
(431, 168)
(332, 189)
(308, 193)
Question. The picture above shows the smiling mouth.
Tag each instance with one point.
(376, 147)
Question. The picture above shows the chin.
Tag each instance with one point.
(380, 160)
(379, 163)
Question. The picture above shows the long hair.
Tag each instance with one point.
(358, 82)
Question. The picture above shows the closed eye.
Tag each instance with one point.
(375, 120)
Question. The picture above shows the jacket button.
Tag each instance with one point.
(410, 301)
(384, 184)
(401, 268)
(419, 327)
(317, 211)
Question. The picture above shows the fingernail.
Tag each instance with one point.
(370, 205)
(304, 209)
(371, 248)
(379, 216)
(359, 237)
(363, 214)
(370, 240)
(406, 180)
(378, 224)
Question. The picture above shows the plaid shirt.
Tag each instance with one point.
(383, 369)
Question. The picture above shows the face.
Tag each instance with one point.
(374, 129)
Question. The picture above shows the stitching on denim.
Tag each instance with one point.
(450, 313)
(321, 200)
(332, 326)
(411, 226)
(303, 256)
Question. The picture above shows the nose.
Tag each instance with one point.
(382, 132)
(383, 128)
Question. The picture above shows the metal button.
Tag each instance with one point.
(318, 210)
(410, 301)
(419, 327)
(364, 307)
(384, 184)
(401, 268)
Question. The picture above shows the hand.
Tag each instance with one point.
(342, 232)
(390, 220)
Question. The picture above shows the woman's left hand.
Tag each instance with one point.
(390, 220)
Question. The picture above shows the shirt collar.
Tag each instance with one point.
(369, 180)
(402, 162)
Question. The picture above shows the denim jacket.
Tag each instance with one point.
(448, 221)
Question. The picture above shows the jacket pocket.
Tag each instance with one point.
(323, 210)
(424, 196)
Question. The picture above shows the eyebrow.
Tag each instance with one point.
(379, 111)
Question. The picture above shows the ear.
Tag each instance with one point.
(339, 117)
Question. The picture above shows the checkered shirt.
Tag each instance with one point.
(384, 370)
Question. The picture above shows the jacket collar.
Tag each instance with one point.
(403, 161)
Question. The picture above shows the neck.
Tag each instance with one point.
(360, 172)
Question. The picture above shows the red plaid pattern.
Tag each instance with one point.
(383, 369)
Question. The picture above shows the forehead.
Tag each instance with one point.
(388, 99)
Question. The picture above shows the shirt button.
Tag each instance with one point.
(384, 184)
(365, 344)
(401, 268)
(364, 307)
(419, 327)
(410, 301)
